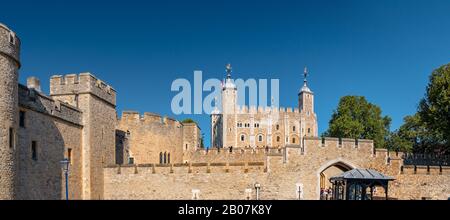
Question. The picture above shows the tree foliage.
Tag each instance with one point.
(434, 108)
(428, 131)
(355, 117)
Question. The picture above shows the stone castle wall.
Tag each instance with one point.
(55, 128)
(279, 175)
(150, 135)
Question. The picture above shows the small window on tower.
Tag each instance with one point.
(277, 127)
(293, 140)
(278, 138)
(260, 138)
(242, 137)
(309, 130)
(12, 40)
(11, 137)
(34, 155)
(22, 119)
(293, 128)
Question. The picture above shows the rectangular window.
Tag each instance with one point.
(34, 155)
(309, 130)
(11, 39)
(69, 155)
(22, 119)
(293, 128)
(11, 137)
(130, 160)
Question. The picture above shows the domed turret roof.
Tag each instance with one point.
(305, 88)
(5, 27)
(229, 84)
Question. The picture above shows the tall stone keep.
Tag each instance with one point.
(9, 66)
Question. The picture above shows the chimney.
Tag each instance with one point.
(34, 83)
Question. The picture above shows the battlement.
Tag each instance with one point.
(185, 168)
(9, 44)
(82, 83)
(424, 170)
(149, 117)
(339, 142)
(244, 109)
(233, 155)
(39, 102)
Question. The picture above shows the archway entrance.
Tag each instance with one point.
(325, 175)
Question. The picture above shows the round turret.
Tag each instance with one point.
(9, 66)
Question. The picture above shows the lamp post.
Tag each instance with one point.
(65, 166)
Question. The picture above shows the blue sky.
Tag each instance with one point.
(383, 50)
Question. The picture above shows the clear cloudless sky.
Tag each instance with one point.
(383, 50)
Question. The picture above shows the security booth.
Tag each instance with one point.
(358, 184)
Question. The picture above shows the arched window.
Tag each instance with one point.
(293, 128)
(309, 130)
(278, 138)
(161, 158)
(293, 140)
(165, 157)
(168, 158)
(277, 127)
(260, 138)
(242, 137)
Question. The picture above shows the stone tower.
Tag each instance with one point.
(306, 107)
(9, 66)
(97, 101)
(229, 102)
(216, 126)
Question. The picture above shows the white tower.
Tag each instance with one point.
(306, 106)
(229, 100)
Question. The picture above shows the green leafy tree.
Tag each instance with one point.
(434, 108)
(357, 118)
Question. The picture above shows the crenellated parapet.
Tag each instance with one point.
(148, 118)
(233, 155)
(39, 102)
(72, 84)
(186, 168)
(338, 142)
(244, 109)
(9, 44)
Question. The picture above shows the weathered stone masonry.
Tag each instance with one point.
(152, 157)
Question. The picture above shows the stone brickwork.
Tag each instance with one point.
(242, 126)
(279, 175)
(41, 176)
(9, 65)
(97, 101)
(153, 157)
(151, 136)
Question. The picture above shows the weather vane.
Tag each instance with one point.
(228, 69)
(305, 73)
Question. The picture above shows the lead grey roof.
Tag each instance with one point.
(362, 174)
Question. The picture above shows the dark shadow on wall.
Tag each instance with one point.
(41, 147)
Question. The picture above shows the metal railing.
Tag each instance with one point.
(426, 159)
